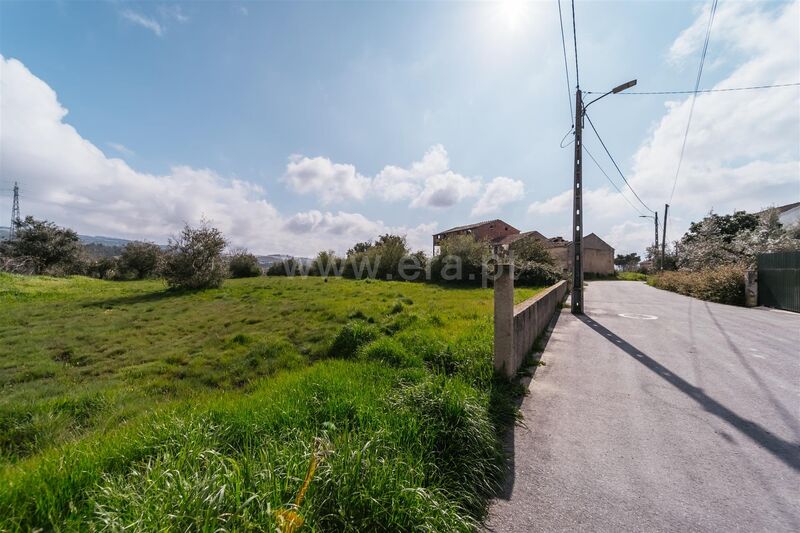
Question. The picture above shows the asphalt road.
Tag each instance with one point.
(686, 422)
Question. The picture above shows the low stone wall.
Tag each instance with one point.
(530, 319)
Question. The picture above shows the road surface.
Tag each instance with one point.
(689, 421)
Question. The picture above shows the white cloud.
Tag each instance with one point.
(143, 21)
(743, 148)
(445, 190)
(121, 148)
(499, 192)
(426, 183)
(69, 180)
(331, 182)
(174, 12)
(355, 227)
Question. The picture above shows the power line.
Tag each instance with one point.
(776, 86)
(575, 42)
(566, 64)
(612, 182)
(694, 97)
(561, 144)
(615, 163)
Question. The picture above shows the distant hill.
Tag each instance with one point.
(100, 246)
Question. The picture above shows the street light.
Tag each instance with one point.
(577, 207)
(654, 216)
(615, 90)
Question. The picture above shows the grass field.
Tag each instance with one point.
(125, 405)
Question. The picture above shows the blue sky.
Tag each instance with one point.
(304, 119)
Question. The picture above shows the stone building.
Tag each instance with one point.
(493, 231)
(598, 255)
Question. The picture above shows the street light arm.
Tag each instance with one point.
(615, 90)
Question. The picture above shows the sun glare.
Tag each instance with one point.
(511, 14)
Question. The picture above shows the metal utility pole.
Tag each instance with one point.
(577, 211)
(577, 204)
(15, 218)
(664, 239)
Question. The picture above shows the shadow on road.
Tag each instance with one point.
(786, 451)
(784, 413)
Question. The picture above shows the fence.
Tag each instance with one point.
(779, 280)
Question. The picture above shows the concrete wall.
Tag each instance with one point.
(530, 319)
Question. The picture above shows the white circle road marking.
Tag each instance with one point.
(638, 316)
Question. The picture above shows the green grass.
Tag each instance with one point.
(631, 276)
(126, 404)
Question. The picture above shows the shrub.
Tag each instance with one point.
(243, 264)
(536, 274)
(102, 268)
(140, 260)
(722, 285)
(351, 337)
(194, 259)
(43, 247)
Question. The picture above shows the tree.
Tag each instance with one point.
(327, 263)
(530, 249)
(768, 236)
(733, 240)
(46, 247)
(140, 260)
(194, 258)
(379, 260)
(628, 261)
(243, 264)
(461, 258)
(359, 248)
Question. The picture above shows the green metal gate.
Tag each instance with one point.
(779, 280)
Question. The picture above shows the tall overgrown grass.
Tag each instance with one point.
(723, 285)
(405, 449)
(403, 414)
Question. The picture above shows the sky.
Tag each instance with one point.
(301, 126)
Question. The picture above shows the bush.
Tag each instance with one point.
(102, 268)
(140, 260)
(535, 274)
(243, 264)
(44, 248)
(351, 337)
(723, 285)
(194, 259)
